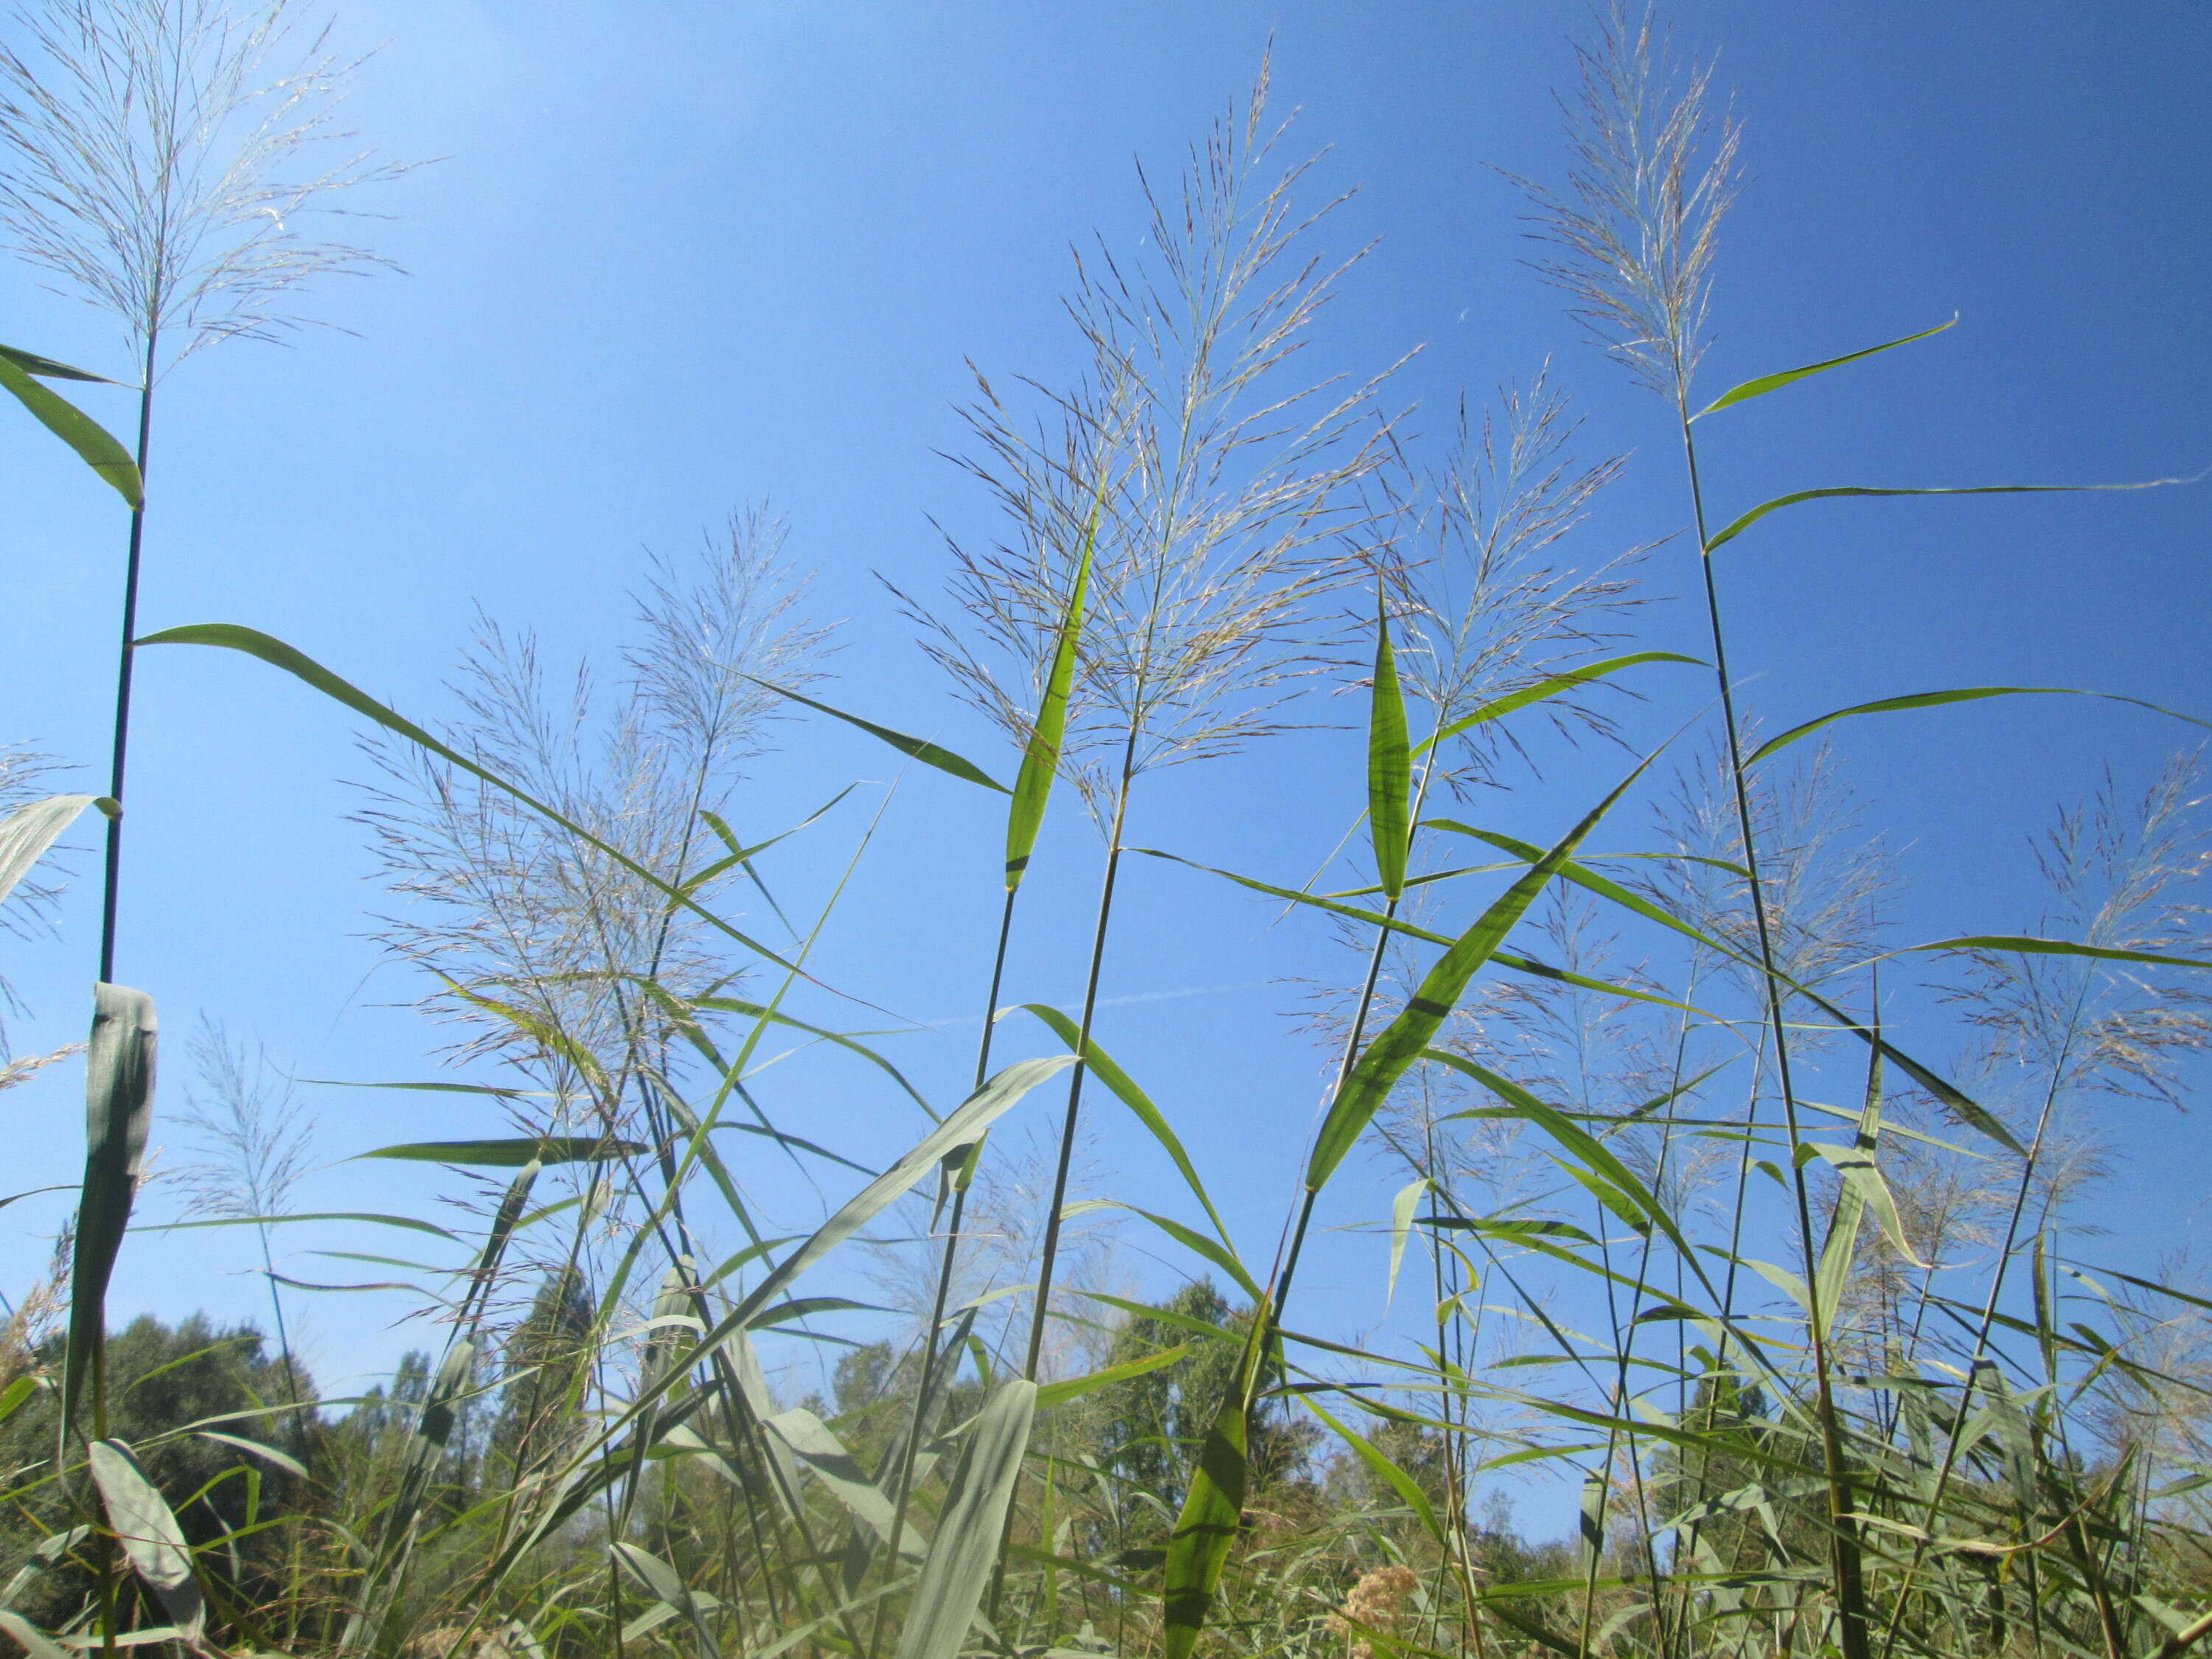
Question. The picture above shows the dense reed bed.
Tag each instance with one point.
(1809, 1318)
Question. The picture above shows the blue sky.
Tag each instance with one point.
(673, 260)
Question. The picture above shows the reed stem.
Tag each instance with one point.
(125, 656)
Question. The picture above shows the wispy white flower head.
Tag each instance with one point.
(158, 157)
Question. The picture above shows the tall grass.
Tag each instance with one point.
(160, 161)
(1829, 1377)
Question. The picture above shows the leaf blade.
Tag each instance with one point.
(921, 749)
(1545, 690)
(1963, 694)
(510, 1154)
(27, 832)
(95, 445)
(118, 1111)
(1737, 526)
(1402, 1042)
(957, 1568)
(1040, 755)
(1766, 383)
(149, 1535)
(1389, 769)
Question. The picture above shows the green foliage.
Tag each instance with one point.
(1649, 1274)
(160, 1379)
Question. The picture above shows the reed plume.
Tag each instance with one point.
(1221, 486)
(158, 160)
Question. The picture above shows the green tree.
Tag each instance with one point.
(1149, 1429)
(161, 1378)
(547, 1359)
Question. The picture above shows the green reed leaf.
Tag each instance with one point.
(1738, 526)
(1040, 755)
(962, 1555)
(512, 1154)
(1123, 1087)
(1404, 1040)
(229, 636)
(1401, 1227)
(1390, 769)
(1766, 383)
(151, 1539)
(851, 1045)
(408, 1222)
(1074, 1388)
(1395, 1477)
(1582, 876)
(667, 1588)
(1212, 1508)
(1547, 688)
(47, 369)
(1840, 1251)
(1519, 964)
(2048, 947)
(809, 1440)
(119, 1109)
(267, 1454)
(927, 753)
(96, 446)
(1189, 1237)
(1951, 1096)
(1936, 699)
(961, 1126)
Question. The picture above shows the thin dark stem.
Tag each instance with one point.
(1352, 1041)
(923, 1387)
(122, 664)
(1851, 1596)
(1050, 1254)
(1956, 1444)
(1354, 1038)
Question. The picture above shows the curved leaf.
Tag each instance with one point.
(1391, 1475)
(756, 1010)
(1102, 1066)
(1189, 1237)
(408, 1222)
(28, 1636)
(283, 1461)
(119, 1108)
(1967, 694)
(47, 369)
(1402, 1042)
(1041, 755)
(2051, 947)
(149, 1533)
(511, 1154)
(96, 446)
(927, 753)
(957, 1568)
(251, 643)
(1547, 688)
(1519, 964)
(1766, 383)
(1389, 771)
(809, 1440)
(1729, 532)
(1401, 1227)
(1074, 1388)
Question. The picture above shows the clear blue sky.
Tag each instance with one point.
(678, 257)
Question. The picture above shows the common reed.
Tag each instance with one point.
(160, 160)
(1723, 1219)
